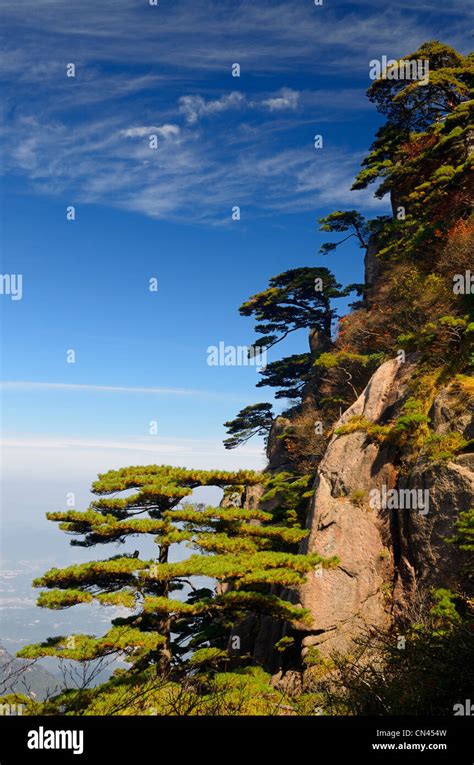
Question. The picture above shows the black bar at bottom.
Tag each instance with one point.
(378, 739)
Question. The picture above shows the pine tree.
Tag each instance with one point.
(253, 420)
(341, 222)
(296, 299)
(239, 548)
(300, 298)
(289, 375)
(424, 154)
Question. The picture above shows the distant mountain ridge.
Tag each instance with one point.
(26, 677)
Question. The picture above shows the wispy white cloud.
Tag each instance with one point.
(286, 99)
(164, 131)
(19, 385)
(267, 36)
(195, 107)
(151, 444)
(66, 442)
(194, 175)
(200, 169)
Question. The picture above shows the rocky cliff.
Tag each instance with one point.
(389, 557)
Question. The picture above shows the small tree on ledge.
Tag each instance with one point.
(253, 420)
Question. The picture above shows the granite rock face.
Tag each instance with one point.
(389, 557)
(345, 599)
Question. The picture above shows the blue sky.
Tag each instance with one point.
(166, 213)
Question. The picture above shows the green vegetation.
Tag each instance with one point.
(246, 550)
